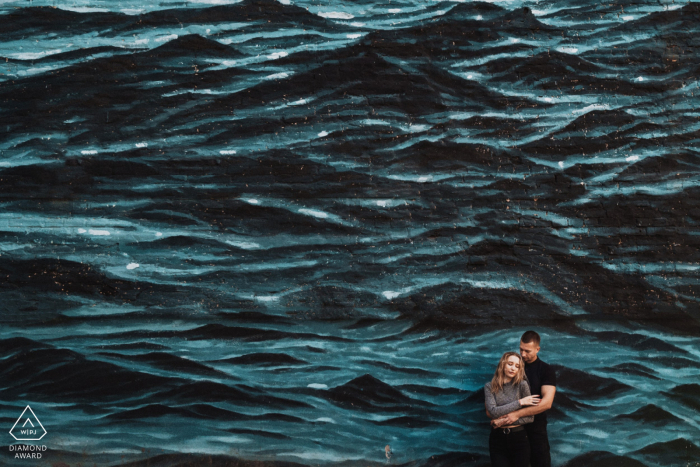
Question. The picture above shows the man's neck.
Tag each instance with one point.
(534, 361)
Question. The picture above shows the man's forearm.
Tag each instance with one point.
(544, 405)
(531, 410)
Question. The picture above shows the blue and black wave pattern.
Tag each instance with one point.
(301, 230)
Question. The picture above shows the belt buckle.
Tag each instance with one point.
(506, 431)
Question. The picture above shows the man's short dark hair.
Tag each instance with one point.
(530, 336)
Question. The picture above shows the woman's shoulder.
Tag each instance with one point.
(524, 387)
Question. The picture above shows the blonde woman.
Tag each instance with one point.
(507, 392)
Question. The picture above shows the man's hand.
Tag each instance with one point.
(508, 419)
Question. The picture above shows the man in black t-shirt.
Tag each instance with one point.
(543, 382)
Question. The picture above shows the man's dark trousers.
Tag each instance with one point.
(539, 446)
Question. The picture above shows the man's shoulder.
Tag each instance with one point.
(540, 367)
(546, 370)
(536, 366)
(544, 365)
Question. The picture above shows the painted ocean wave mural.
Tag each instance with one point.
(299, 231)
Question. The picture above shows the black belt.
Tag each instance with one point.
(507, 431)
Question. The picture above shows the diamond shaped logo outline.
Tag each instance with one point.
(30, 421)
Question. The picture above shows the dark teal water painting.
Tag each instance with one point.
(300, 231)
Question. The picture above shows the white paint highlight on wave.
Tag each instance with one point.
(268, 298)
(85, 9)
(216, 2)
(588, 108)
(594, 433)
(99, 232)
(317, 386)
(167, 38)
(276, 55)
(89, 152)
(132, 266)
(321, 456)
(335, 15)
(227, 152)
(141, 145)
(314, 213)
(35, 55)
(632, 158)
(243, 245)
(278, 76)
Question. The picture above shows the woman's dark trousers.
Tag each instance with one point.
(509, 449)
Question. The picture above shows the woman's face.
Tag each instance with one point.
(512, 366)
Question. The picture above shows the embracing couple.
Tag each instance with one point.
(517, 398)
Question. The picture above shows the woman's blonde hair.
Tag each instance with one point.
(499, 377)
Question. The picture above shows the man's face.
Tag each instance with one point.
(529, 351)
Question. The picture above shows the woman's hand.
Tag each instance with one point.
(498, 422)
(530, 400)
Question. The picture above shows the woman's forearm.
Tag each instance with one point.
(500, 410)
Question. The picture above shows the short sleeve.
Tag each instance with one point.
(549, 376)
